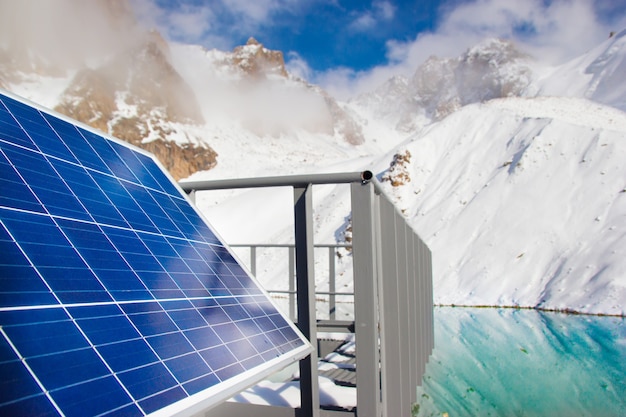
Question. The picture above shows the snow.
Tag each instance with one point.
(522, 200)
(288, 394)
(43, 90)
(281, 393)
(521, 203)
(597, 75)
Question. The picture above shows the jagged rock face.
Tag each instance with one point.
(439, 87)
(182, 160)
(492, 69)
(140, 98)
(433, 84)
(398, 173)
(148, 81)
(271, 102)
(344, 124)
(89, 99)
(124, 83)
(257, 61)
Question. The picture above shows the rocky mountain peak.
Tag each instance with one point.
(257, 61)
(493, 51)
(494, 68)
(138, 96)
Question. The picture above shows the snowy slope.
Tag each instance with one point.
(598, 75)
(523, 202)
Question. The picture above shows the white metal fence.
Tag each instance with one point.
(393, 302)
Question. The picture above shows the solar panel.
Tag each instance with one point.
(116, 297)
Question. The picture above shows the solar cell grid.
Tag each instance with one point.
(116, 298)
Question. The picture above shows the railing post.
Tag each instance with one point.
(414, 319)
(367, 335)
(253, 260)
(331, 283)
(393, 358)
(305, 277)
(292, 283)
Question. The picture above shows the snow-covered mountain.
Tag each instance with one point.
(492, 69)
(523, 202)
(520, 194)
(172, 99)
(597, 75)
(511, 170)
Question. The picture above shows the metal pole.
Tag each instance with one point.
(305, 278)
(331, 283)
(298, 181)
(394, 404)
(253, 260)
(292, 284)
(364, 247)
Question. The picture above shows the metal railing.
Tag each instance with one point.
(291, 291)
(393, 302)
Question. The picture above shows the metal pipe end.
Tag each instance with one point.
(366, 176)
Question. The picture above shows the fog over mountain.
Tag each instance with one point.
(509, 168)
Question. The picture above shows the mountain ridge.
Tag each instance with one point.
(508, 168)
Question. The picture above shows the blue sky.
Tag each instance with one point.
(351, 45)
(327, 34)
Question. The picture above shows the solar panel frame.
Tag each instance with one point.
(138, 258)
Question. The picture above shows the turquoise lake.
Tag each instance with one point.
(505, 362)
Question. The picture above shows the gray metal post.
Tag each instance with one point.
(253, 260)
(292, 284)
(422, 306)
(405, 324)
(305, 278)
(365, 300)
(412, 311)
(394, 404)
(331, 284)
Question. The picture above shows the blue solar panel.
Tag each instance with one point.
(116, 297)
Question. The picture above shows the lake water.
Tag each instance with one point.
(504, 362)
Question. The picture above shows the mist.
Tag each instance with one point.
(66, 34)
(552, 32)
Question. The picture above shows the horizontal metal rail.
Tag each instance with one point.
(291, 292)
(278, 181)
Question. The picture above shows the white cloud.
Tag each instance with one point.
(381, 11)
(554, 32)
(344, 82)
(385, 10)
(214, 23)
(190, 22)
(297, 66)
(63, 32)
(557, 31)
(257, 11)
(187, 23)
(363, 22)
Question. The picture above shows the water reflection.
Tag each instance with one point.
(499, 362)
